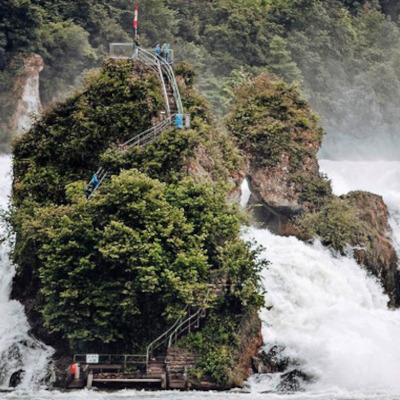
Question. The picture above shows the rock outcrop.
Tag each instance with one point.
(28, 105)
(279, 138)
(374, 249)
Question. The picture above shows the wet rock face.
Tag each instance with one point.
(28, 105)
(293, 381)
(275, 185)
(16, 378)
(376, 251)
(271, 362)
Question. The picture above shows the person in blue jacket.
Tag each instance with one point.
(179, 121)
(94, 182)
(166, 51)
(158, 49)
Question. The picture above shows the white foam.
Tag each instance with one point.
(18, 350)
(327, 312)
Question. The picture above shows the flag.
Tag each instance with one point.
(135, 18)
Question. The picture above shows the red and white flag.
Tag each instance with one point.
(135, 18)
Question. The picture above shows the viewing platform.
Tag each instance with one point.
(127, 51)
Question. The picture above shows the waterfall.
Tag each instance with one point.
(324, 309)
(21, 355)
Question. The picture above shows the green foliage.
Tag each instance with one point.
(315, 191)
(280, 62)
(217, 344)
(330, 46)
(111, 274)
(270, 121)
(107, 263)
(337, 224)
(136, 254)
(67, 142)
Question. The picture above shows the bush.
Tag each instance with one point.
(337, 224)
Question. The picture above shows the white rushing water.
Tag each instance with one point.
(327, 312)
(18, 350)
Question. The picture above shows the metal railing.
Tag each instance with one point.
(146, 137)
(192, 321)
(126, 51)
(154, 62)
(148, 57)
(163, 338)
(151, 59)
(187, 325)
(101, 174)
(142, 139)
(161, 66)
(125, 360)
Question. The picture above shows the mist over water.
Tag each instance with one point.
(18, 350)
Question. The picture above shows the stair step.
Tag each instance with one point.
(177, 384)
(76, 384)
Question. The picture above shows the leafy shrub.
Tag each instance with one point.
(270, 121)
(337, 224)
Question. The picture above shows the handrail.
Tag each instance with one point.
(137, 139)
(188, 323)
(152, 59)
(101, 174)
(156, 343)
(145, 137)
(142, 139)
(126, 359)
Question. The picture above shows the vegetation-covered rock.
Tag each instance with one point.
(112, 273)
(279, 137)
(357, 221)
(220, 363)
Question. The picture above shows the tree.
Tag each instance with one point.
(280, 61)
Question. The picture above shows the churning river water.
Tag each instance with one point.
(327, 312)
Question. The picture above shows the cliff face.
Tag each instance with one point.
(28, 106)
(374, 249)
(19, 97)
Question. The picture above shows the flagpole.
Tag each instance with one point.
(135, 18)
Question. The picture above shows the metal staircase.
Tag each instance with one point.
(173, 106)
(166, 368)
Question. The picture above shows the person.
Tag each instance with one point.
(136, 45)
(94, 182)
(73, 370)
(158, 50)
(166, 50)
(178, 121)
